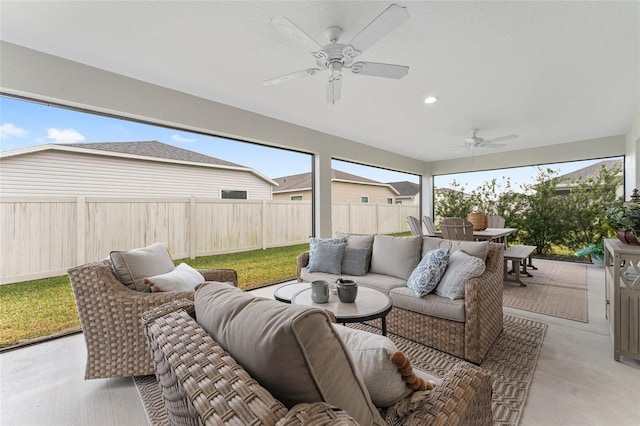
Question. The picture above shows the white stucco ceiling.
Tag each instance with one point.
(551, 72)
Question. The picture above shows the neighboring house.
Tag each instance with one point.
(148, 168)
(567, 181)
(345, 187)
(408, 192)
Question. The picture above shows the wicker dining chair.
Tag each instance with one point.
(110, 318)
(456, 228)
(414, 225)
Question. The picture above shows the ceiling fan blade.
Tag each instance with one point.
(291, 76)
(501, 138)
(291, 30)
(380, 70)
(386, 22)
(491, 145)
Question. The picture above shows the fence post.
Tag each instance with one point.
(81, 229)
(192, 227)
(264, 225)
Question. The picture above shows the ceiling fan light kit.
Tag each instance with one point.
(336, 56)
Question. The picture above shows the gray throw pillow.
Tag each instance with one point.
(461, 268)
(327, 258)
(354, 261)
(313, 244)
(359, 241)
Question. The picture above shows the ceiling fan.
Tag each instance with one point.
(477, 142)
(336, 56)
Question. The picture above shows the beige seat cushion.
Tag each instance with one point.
(293, 351)
(431, 304)
(379, 281)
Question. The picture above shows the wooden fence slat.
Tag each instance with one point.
(44, 236)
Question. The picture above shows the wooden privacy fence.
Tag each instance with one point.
(44, 236)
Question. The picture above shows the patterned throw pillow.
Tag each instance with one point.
(429, 271)
(354, 261)
(462, 267)
(313, 244)
(328, 258)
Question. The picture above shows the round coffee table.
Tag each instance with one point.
(285, 293)
(370, 304)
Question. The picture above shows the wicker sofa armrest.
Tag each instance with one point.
(463, 398)
(159, 311)
(483, 306)
(316, 414)
(222, 275)
(201, 383)
(302, 261)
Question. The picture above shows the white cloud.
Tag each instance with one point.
(8, 130)
(64, 135)
(179, 138)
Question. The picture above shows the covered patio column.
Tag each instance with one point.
(322, 194)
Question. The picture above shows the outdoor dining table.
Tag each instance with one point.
(491, 234)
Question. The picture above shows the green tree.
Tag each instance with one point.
(452, 202)
(544, 213)
(590, 198)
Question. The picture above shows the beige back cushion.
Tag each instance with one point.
(395, 256)
(132, 266)
(477, 249)
(293, 351)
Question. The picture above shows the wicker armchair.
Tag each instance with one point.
(202, 384)
(110, 317)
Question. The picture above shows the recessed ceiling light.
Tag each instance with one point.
(430, 99)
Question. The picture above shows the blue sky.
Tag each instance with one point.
(25, 124)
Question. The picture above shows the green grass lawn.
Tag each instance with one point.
(38, 308)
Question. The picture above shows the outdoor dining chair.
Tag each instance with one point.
(414, 225)
(495, 221)
(429, 225)
(456, 228)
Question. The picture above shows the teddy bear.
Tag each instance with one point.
(402, 362)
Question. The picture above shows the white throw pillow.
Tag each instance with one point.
(370, 354)
(461, 267)
(182, 278)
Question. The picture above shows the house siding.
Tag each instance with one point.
(67, 173)
(286, 196)
(351, 192)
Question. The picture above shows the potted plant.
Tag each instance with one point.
(625, 221)
(595, 251)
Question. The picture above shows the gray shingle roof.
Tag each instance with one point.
(406, 188)
(589, 171)
(155, 149)
(303, 180)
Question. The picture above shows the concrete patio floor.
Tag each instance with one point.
(576, 382)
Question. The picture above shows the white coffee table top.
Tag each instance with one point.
(286, 292)
(369, 304)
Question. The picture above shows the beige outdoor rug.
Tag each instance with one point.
(557, 288)
(511, 363)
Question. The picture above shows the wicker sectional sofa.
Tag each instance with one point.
(211, 368)
(466, 328)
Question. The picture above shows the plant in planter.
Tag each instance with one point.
(625, 221)
(595, 251)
